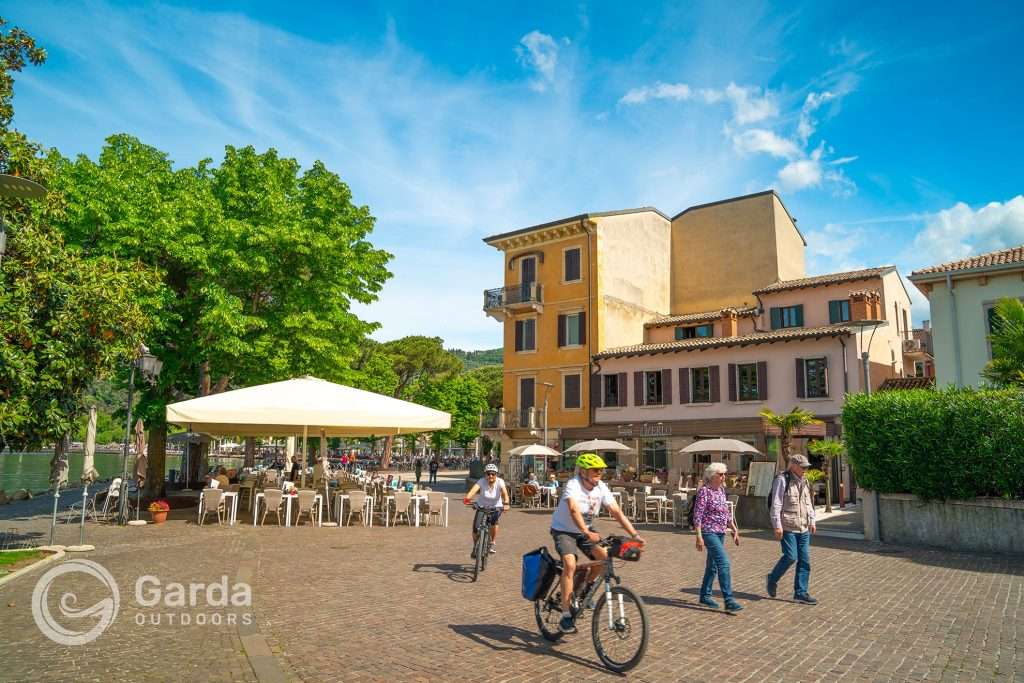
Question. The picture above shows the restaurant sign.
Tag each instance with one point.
(645, 429)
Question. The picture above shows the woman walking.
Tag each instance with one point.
(711, 519)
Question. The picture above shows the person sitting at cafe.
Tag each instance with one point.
(222, 478)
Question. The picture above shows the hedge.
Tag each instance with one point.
(953, 443)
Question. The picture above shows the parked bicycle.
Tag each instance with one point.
(619, 628)
(482, 537)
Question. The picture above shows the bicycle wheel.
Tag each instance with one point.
(548, 612)
(481, 550)
(619, 629)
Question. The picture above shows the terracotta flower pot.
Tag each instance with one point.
(159, 517)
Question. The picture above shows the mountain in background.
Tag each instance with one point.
(477, 359)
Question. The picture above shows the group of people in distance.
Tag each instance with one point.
(791, 510)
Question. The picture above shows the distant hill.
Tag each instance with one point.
(478, 359)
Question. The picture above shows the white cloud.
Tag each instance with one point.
(802, 173)
(539, 51)
(761, 140)
(750, 104)
(805, 128)
(658, 91)
(834, 248)
(960, 231)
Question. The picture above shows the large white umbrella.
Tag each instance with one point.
(719, 446)
(533, 449)
(597, 445)
(89, 475)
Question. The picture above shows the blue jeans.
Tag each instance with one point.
(717, 563)
(795, 548)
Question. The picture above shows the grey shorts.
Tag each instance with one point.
(568, 542)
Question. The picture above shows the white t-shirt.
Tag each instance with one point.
(490, 496)
(587, 502)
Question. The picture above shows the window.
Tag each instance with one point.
(652, 388)
(612, 391)
(572, 329)
(571, 391)
(787, 316)
(572, 265)
(526, 335)
(695, 331)
(816, 377)
(700, 385)
(918, 368)
(655, 456)
(527, 393)
(839, 311)
(746, 381)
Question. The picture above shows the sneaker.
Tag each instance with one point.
(732, 606)
(567, 624)
(491, 549)
(770, 587)
(709, 602)
(805, 599)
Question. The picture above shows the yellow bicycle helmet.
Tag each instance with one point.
(590, 461)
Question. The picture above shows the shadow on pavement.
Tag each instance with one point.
(459, 573)
(502, 638)
(685, 604)
(738, 594)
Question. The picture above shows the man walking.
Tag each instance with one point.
(792, 515)
(433, 470)
(418, 469)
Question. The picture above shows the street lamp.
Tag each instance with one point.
(548, 386)
(865, 354)
(19, 188)
(150, 367)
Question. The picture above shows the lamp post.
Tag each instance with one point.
(150, 367)
(865, 354)
(548, 386)
(19, 188)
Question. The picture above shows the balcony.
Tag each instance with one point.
(914, 348)
(504, 419)
(501, 301)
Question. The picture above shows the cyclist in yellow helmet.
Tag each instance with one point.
(572, 525)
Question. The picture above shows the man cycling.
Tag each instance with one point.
(493, 493)
(572, 526)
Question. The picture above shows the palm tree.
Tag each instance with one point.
(1006, 369)
(787, 423)
(829, 450)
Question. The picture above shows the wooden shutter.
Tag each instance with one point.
(638, 388)
(776, 317)
(828, 382)
(801, 387)
(623, 389)
(596, 390)
(583, 327)
(561, 331)
(666, 387)
(834, 312)
(732, 381)
(716, 381)
(684, 385)
(800, 315)
(762, 380)
(519, 335)
(531, 334)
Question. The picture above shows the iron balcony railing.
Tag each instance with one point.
(511, 418)
(499, 297)
(491, 419)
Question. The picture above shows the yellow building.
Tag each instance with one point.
(575, 287)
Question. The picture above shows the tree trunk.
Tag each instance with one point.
(385, 460)
(156, 462)
(250, 451)
(784, 446)
(828, 484)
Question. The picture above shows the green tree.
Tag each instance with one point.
(462, 396)
(1006, 369)
(491, 377)
(829, 450)
(787, 423)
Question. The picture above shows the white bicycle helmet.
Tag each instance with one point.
(491, 468)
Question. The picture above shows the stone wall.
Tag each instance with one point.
(983, 524)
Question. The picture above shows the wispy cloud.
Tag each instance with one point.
(539, 52)
(757, 140)
(960, 231)
(658, 91)
(750, 104)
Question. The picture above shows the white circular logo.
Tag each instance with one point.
(104, 612)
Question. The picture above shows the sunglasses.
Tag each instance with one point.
(492, 474)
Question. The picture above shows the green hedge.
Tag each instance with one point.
(955, 443)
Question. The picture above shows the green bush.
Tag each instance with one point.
(955, 443)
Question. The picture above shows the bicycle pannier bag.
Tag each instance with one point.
(539, 571)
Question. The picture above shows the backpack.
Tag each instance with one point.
(789, 482)
(690, 505)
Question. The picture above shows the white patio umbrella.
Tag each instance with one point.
(533, 449)
(141, 462)
(597, 445)
(89, 475)
(58, 477)
(719, 446)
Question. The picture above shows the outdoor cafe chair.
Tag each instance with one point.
(272, 500)
(213, 501)
(307, 504)
(358, 504)
(403, 501)
(435, 506)
(643, 507)
(531, 496)
(247, 489)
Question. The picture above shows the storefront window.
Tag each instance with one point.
(655, 456)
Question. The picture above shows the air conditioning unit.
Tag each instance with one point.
(911, 345)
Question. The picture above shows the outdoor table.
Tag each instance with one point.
(339, 504)
(548, 495)
(318, 498)
(232, 515)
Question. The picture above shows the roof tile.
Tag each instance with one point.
(992, 258)
(791, 334)
(696, 317)
(828, 279)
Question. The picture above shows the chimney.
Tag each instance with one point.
(876, 306)
(926, 325)
(730, 322)
(860, 308)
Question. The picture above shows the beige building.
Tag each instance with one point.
(962, 295)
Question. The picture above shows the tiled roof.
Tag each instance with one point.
(992, 258)
(695, 317)
(907, 383)
(791, 334)
(829, 279)
(572, 219)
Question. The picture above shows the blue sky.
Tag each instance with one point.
(892, 131)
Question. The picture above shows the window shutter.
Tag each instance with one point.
(732, 381)
(762, 380)
(684, 385)
(716, 381)
(776, 317)
(583, 327)
(531, 334)
(801, 388)
(561, 331)
(519, 335)
(828, 383)
(596, 388)
(834, 313)
(638, 388)
(800, 315)
(623, 389)
(666, 387)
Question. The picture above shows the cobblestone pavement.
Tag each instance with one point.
(357, 604)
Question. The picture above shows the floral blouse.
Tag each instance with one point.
(711, 510)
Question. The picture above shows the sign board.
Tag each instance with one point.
(759, 481)
(647, 429)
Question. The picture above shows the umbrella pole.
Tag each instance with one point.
(81, 525)
(305, 447)
(53, 522)
(138, 499)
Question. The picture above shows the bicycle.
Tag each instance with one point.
(619, 613)
(482, 529)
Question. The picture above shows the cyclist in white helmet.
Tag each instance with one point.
(493, 493)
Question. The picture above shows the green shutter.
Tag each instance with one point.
(834, 312)
(799, 315)
(776, 317)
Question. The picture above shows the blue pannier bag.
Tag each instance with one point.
(539, 570)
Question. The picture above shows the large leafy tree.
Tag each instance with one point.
(462, 396)
(1006, 369)
(787, 423)
(66, 318)
(258, 260)
(491, 378)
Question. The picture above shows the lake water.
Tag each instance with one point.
(32, 470)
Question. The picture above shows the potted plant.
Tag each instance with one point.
(158, 510)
